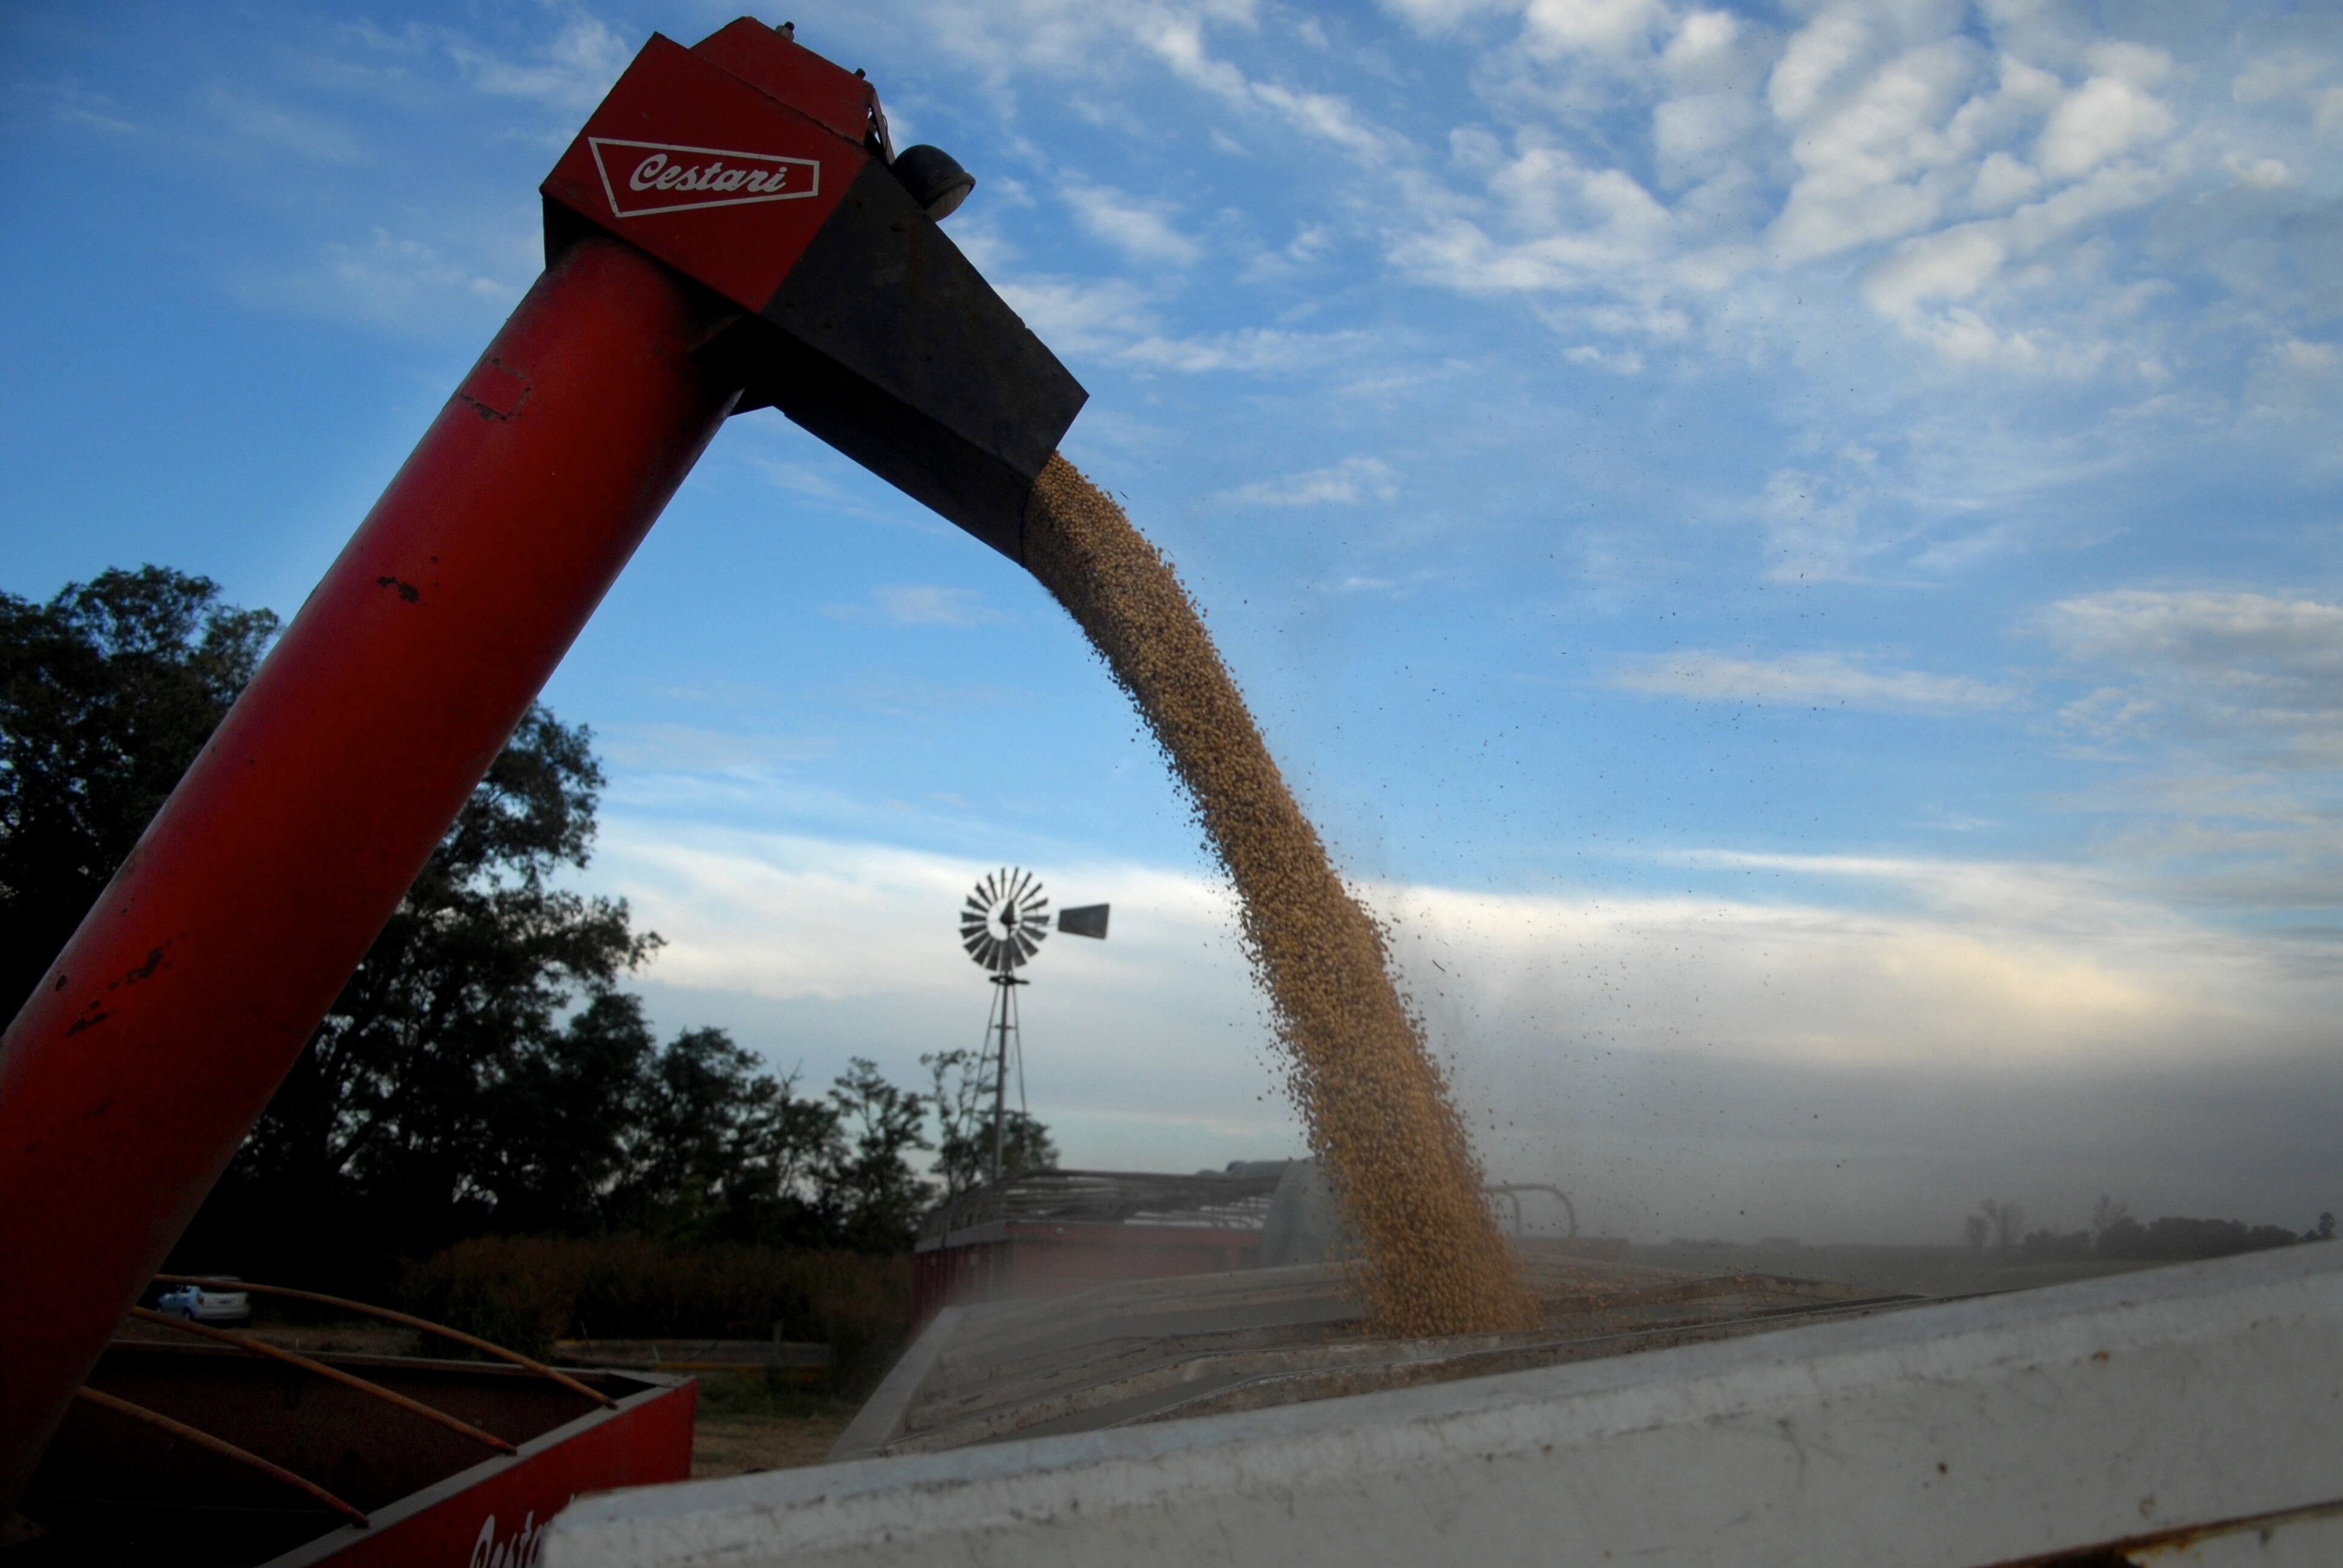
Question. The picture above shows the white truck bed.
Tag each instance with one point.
(2191, 1415)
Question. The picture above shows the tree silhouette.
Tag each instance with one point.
(962, 1104)
(106, 694)
(2006, 1219)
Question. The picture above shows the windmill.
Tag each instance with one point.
(1003, 925)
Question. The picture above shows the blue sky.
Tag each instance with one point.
(1794, 550)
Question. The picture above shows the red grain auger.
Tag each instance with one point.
(732, 229)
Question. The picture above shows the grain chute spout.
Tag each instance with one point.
(859, 317)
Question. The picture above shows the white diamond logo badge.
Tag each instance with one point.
(641, 179)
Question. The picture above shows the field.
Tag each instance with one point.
(1915, 1270)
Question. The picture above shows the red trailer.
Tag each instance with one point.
(1051, 1231)
(195, 1454)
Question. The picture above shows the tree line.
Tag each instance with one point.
(2115, 1234)
(482, 1072)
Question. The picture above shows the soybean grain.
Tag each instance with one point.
(1377, 1108)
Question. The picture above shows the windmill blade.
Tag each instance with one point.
(1005, 919)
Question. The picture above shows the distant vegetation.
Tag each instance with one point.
(482, 1074)
(528, 1292)
(2116, 1234)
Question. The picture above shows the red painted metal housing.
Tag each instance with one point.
(677, 115)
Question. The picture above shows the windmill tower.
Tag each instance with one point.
(1001, 925)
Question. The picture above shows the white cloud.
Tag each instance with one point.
(2205, 631)
(1883, 162)
(1078, 315)
(1618, 361)
(1145, 1049)
(572, 71)
(2002, 181)
(72, 104)
(1880, 976)
(2225, 712)
(1116, 320)
(1254, 350)
(285, 129)
(1347, 483)
(2283, 73)
(1703, 51)
(1819, 55)
(921, 604)
(391, 281)
(1820, 523)
(1690, 173)
(1552, 223)
(2295, 378)
(1951, 264)
(1445, 15)
(925, 605)
(1603, 26)
(2100, 121)
(1328, 117)
(1941, 967)
(1816, 679)
(685, 747)
(1863, 960)
(1092, 40)
(1143, 231)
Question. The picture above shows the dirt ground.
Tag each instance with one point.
(746, 1424)
(726, 1447)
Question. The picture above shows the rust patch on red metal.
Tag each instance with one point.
(2142, 1551)
(494, 390)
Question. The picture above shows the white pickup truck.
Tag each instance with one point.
(206, 1303)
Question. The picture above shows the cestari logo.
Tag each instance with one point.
(644, 177)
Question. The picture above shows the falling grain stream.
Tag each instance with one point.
(1377, 1108)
